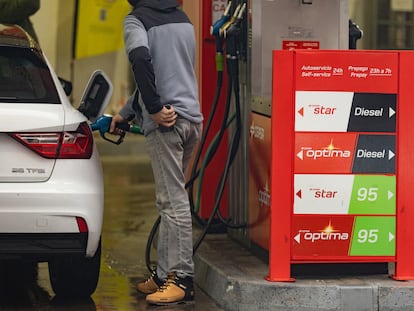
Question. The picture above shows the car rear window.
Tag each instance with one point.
(25, 78)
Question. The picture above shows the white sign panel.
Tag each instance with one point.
(322, 194)
(322, 111)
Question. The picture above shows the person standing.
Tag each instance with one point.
(18, 12)
(161, 47)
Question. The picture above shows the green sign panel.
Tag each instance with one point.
(373, 194)
(373, 236)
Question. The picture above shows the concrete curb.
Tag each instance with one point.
(235, 279)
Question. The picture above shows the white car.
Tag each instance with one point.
(51, 183)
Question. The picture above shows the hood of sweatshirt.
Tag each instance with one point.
(160, 5)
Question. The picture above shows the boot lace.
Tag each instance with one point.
(152, 275)
(168, 282)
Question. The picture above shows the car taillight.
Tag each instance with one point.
(60, 145)
(82, 225)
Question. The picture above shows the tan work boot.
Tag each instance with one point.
(150, 285)
(175, 290)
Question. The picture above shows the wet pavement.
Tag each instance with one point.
(224, 269)
(129, 217)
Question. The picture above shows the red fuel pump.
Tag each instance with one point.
(212, 10)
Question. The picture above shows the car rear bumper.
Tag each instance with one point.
(41, 246)
(53, 208)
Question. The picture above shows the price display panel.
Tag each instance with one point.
(345, 157)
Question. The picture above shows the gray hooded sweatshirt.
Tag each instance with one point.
(160, 44)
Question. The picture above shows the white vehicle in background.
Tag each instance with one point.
(51, 183)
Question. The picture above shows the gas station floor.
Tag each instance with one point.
(235, 279)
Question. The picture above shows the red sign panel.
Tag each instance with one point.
(321, 236)
(325, 152)
(259, 179)
(365, 149)
(294, 45)
(362, 72)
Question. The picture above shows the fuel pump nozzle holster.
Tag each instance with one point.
(234, 28)
(226, 25)
(215, 28)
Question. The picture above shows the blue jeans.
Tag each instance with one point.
(170, 153)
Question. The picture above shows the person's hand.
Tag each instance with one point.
(116, 119)
(165, 117)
